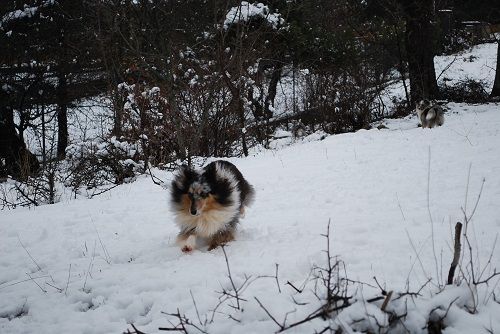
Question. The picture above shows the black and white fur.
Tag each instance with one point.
(209, 203)
(429, 114)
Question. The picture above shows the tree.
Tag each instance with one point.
(15, 159)
(495, 92)
(489, 11)
(419, 43)
(49, 59)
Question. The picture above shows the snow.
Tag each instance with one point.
(372, 184)
(245, 11)
(26, 12)
(17, 14)
(98, 265)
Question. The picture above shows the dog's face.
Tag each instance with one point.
(191, 193)
(423, 104)
(199, 198)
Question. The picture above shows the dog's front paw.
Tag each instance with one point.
(187, 249)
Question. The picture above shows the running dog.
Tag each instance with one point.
(209, 203)
(429, 114)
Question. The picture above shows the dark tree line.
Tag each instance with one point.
(47, 62)
(186, 78)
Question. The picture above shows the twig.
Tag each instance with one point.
(32, 279)
(159, 182)
(90, 266)
(400, 208)
(468, 219)
(195, 307)
(55, 287)
(107, 257)
(384, 293)
(270, 276)
(492, 293)
(22, 281)
(417, 254)
(293, 286)
(231, 278)
(446, 68)
(26, 196)
(477, 200)
(488, 263)
(316, 314)
(67, 282)
(408, 293)
(181, 326)
(221, 301)
(277, 281)
(374, 299)
(447, 309)
(103, 191)
(269, 314)
(27, 252)
(430, 217)
(495, 273)
(136, 331)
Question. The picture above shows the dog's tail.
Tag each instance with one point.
(431, 114)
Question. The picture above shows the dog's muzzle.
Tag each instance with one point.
(193, 210)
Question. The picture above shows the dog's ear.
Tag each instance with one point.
(184, 175)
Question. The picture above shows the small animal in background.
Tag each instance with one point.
(209, 203)
(429, 114)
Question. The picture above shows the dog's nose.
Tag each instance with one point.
(193, 212)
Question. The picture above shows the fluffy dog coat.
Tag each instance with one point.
(429, 114)
(209, 203)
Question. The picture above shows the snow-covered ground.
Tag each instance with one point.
(98, 265)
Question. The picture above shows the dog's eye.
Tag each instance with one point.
(204, 195)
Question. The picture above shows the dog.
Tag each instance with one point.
(209, 203)
(429, 114)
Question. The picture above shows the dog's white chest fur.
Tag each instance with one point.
(207, 223)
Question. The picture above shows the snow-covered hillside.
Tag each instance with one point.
(477, 63)
(94, 266)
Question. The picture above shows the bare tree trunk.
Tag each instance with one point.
(401, 66)
(271, 92)
(185, 148)
(242, 125)
(15, 159)
(419, 42)
(495, 92)
(62, 118)
(117, 101)
(44, 150)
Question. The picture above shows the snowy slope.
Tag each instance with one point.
(114, 259)
(477, 63)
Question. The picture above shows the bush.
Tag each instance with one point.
(98, 163)
(469, 91)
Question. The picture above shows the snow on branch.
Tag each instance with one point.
(25, 12)
(246, 11)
